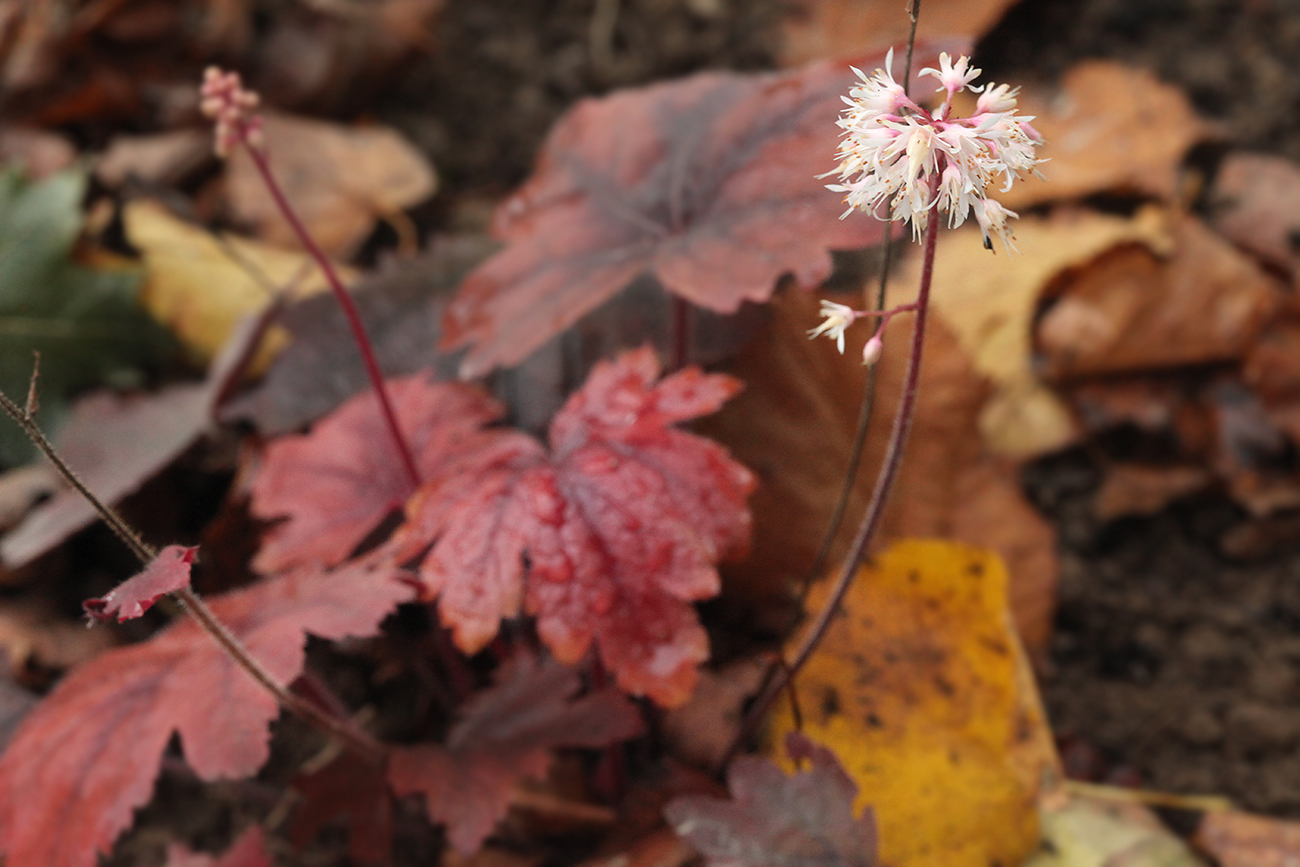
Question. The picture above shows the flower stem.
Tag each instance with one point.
(350, 311)
(190, 600)
(876, 508)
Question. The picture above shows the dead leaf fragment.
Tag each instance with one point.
(163, 158)
(1110, 128)
(1242, 840)
(1132, 489)
(820, 29)
(1255, 203)
(1200, 301)
(340, 180)
(923, 691)
(1088, 832)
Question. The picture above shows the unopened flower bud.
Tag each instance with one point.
(874, 348)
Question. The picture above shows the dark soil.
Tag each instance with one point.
(1169, 659)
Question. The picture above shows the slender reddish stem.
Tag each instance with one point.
(876, 508)
(363, 342)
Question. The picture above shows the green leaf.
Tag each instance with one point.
(86, 324)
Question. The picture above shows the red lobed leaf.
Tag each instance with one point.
(505, 734)
(775, 820)
(169, 571)
(335, 484)
(622, 525)
(88, 755)
(248, 851)
(710, 183)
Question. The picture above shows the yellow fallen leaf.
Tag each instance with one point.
(922, 689)
(989, 301)
(201, 286)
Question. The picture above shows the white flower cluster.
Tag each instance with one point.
(893, 149)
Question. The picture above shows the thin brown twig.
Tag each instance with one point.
(197, 608)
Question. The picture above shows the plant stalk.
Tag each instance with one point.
(350, 311)
(876, 508)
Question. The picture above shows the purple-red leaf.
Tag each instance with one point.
(775, 820)
(86, 758)
(168, 572)
(622, 524)
(709, 183)
(335, 484)
(506, 733)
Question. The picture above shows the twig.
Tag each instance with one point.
(191, 601)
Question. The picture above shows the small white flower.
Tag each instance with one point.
(992, 218)
(838, 318)
(895, 153)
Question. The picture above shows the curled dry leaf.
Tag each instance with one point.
(780, 820)
(1110, 129)
(506, 734)
(1195, 301)
(923, 691)
(623, 522)
(86, 758)
(708, 183)
(339, 180)
(1255, 203)
(248, 851)
(989, 302)
(821, 29)
(168, 572)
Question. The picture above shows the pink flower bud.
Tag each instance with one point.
(873, 350)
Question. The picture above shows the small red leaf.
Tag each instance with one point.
(248, 851)
(505, 734)
(710, 183)
(622, 525)
(775, 820)
(82, 762)
(169, 571)
(335, 484)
